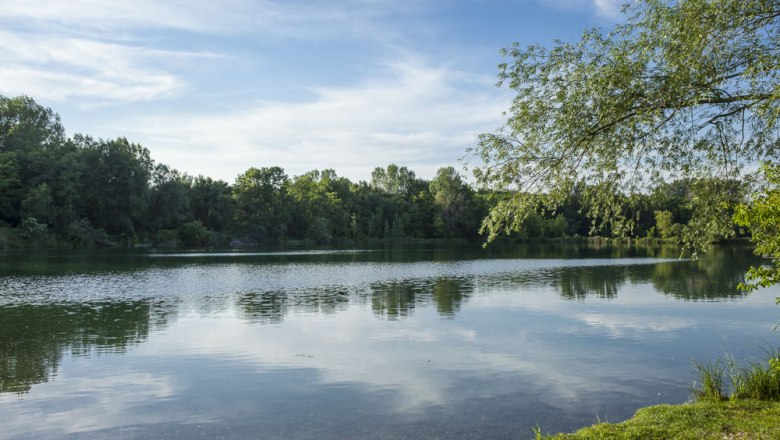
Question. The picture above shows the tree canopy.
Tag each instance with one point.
(684, 89)
(81, 191)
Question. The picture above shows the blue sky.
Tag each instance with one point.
(215, 87)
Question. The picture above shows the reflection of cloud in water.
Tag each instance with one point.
(619, 324)
(407, 357)
(107, 399)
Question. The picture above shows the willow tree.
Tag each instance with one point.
(682, 89)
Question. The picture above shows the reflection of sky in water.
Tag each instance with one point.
(482, 348)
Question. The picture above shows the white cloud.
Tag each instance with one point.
(298, 19)
(608, 8)
(107, 399)
(411, 114)
(58, 68)
(603, 8)
(621, 323)
(357, 348)
(104, 51)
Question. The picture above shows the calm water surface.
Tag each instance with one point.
(389, 343)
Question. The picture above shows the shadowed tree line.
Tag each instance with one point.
(79, 191)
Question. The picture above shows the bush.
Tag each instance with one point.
(195, 234)
(80, 233)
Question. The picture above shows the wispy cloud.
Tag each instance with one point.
(60, 68)
(412, 114)
(602, 8)
(288, 18)
(105, 400)
(608, 8)
(95, 50)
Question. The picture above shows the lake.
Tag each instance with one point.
(423, 342)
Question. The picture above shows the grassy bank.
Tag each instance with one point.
(751, 410)
(735, 419)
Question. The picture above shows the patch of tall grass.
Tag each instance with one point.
(757, 381)
(710, 386)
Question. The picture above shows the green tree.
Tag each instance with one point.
(262, 203)
(26, 125)
(38, 204)
(193, 233)
(663, 223)
(318, 211)
(10, 187)
(169, 204)
(762, 216)
(397, 186)
(211, 202)
(683, 88)
(450, 197)
(67, 190)
(31, 138)
(115, 183)
(395, 180)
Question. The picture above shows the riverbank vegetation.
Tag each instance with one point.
(80, 192)
(732, 402)
(732, 420)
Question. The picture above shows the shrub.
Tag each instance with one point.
(194, 234)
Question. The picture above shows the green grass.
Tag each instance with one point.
(759, 381)
(752, 411)
(735, 419)
(710, 386)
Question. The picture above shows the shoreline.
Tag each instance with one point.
(732, 419)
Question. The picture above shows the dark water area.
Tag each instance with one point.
(395, 342)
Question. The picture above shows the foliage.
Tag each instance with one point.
(450, 195)
(116, 174)
(683, 88)
(38, 203)
(168, 205)
(193, 233)
(85, 192)
(26, 125)
(211, 202)
(762, 216)
(80, 233)
(262, 203)
(32, 229)
(394, 180)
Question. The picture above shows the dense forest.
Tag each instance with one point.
(80, 191)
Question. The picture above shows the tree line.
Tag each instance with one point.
(80, 191)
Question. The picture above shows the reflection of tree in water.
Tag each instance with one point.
(398, 299)
(714, 276)
(449, 293)
(394, 300)
(576, 283)
(272, 307)
(34, 338)
(263, 307)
